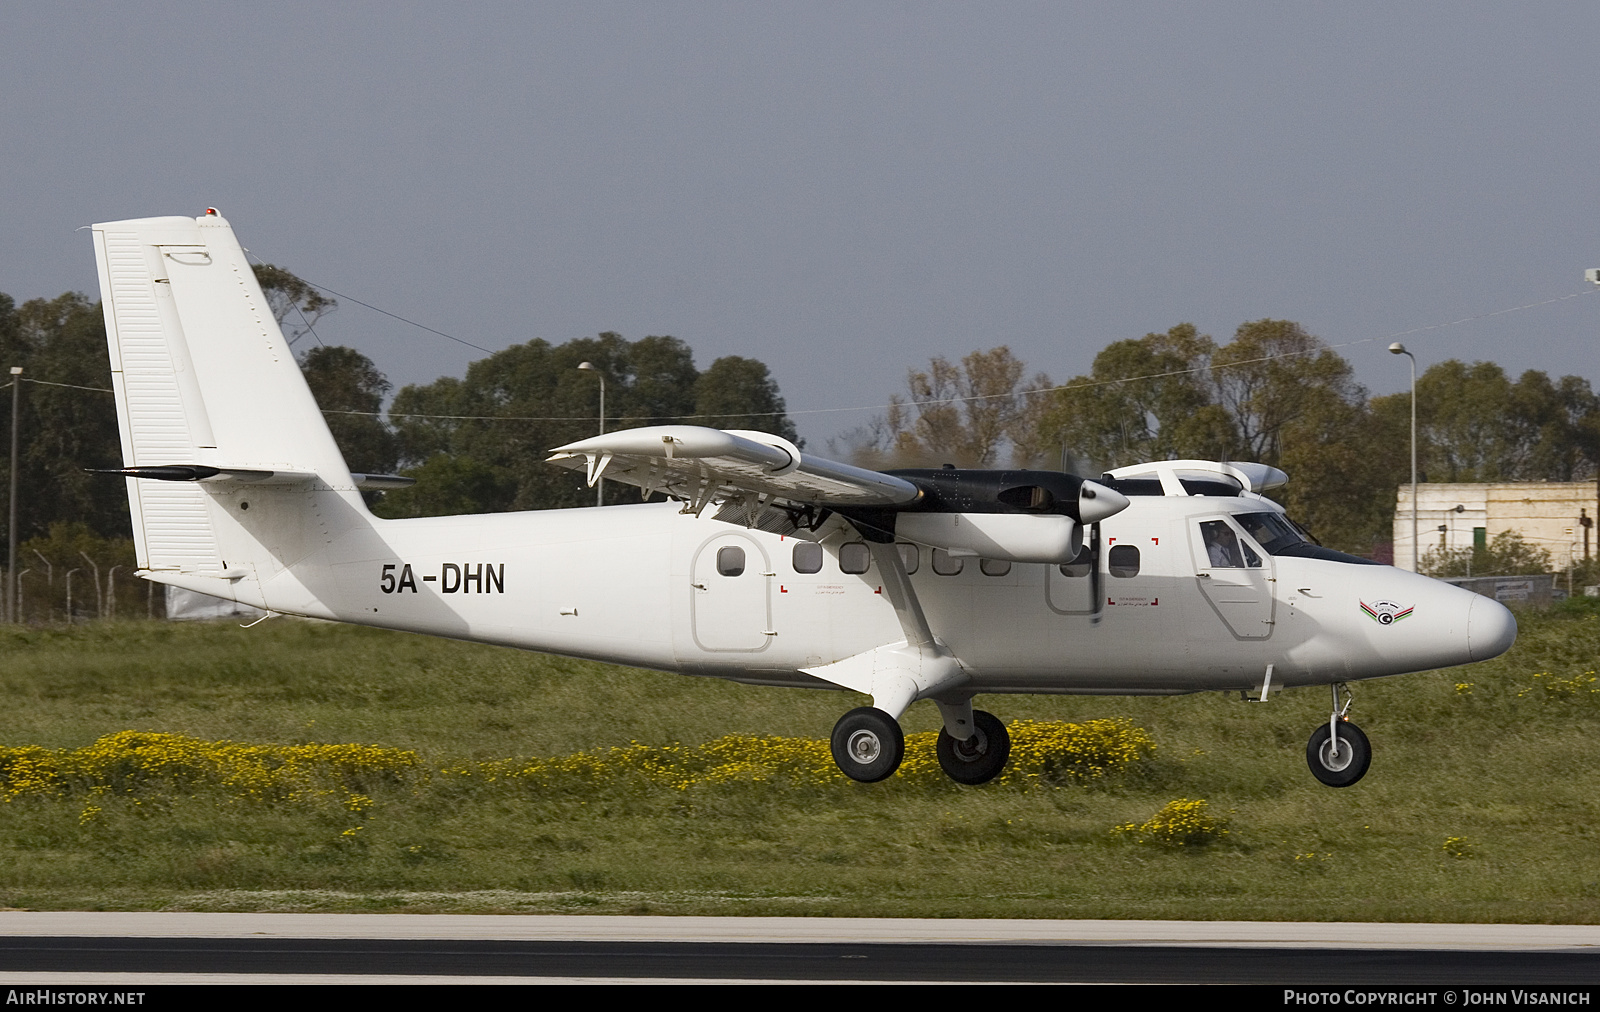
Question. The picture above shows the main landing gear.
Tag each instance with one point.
(868, 746)
(981, 757)
(1338, 752)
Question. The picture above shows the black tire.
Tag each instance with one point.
(980, 758)
(868, 744)
(1355, 755)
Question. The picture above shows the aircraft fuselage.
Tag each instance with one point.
(642, 585)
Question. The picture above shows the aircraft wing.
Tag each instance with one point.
(746, 470)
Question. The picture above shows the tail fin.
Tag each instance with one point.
(204, 379)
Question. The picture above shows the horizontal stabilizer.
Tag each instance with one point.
(381, 482)
(209, 474)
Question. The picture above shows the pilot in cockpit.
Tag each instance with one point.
(1222, 546)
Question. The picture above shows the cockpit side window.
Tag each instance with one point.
(1222, 545)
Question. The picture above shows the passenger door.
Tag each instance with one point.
(731, 595)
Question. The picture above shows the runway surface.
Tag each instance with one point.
(151, 948)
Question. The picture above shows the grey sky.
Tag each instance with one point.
(840, 190)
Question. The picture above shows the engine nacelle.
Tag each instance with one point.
(1012, 537)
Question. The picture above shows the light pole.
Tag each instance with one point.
(600, 484)
(11, 525)
(1399, 349)
(1592, 275)
(1450, 543)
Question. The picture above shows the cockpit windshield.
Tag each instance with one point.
(1270, 531)
(1281, 536)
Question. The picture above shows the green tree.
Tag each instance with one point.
(968, 413)
(64, 428)
(1475, 424)
(1344, 462)
(1274, 377)
(500, 421)
(1462, 410)
(1144, 399)
(450, 486)
(739, 393)
(1553, 427)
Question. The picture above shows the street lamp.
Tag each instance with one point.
(11, 524)
(1450, 542)
(600, 484)
(1399, 349)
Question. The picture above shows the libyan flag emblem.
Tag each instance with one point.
(1386, 612)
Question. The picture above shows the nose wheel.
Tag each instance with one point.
(868, 744)
(981, 757)
(1338, 752)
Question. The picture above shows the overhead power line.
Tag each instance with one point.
(970, 398)
(1208, 367)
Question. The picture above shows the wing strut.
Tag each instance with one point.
(897, 588)
(898, 674)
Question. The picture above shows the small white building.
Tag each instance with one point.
(1548, 514)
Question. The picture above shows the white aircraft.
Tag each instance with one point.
(766, 565)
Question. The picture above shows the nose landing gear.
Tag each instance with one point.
(1338, 752)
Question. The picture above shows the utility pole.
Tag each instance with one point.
(11, 525)
(600, 484)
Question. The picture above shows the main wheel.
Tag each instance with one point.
(868, 744)
(980, 758)
(1350, 765)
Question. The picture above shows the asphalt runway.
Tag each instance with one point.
(62, 948)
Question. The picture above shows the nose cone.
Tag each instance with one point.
(1096, 502)
(1491, 629)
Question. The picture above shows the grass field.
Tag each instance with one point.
(1481, 804)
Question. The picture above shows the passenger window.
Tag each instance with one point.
(946, 564)
(854, 557)
(1123, 561)
(908, 556)
(1222, 545)
(730, 560)
(1080, 566)
(807, 557)
(994, 567)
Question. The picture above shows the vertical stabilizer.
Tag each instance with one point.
(204, 377)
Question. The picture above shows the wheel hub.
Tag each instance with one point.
(973, 748)
(864, 746)
(1337, 762)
